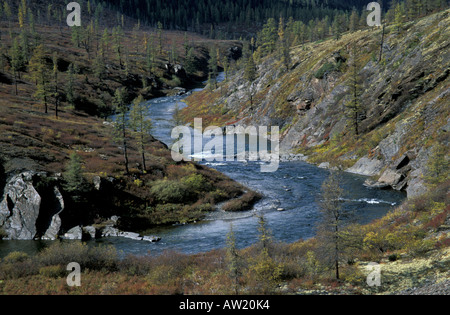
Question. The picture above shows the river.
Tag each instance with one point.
(294, 187)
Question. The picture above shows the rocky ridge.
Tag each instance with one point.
(405, 97)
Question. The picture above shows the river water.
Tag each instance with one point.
(294, 187)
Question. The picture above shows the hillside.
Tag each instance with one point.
(58, 89)
(369, 101)
(402, 114)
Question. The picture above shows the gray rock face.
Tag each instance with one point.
(366, 166)
(19, 208)
(55, 223)
(24, 215)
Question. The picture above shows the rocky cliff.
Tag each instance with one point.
(403, 91)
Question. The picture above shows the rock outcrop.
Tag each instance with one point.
(404, 102)
(19, 208)
(30, 210)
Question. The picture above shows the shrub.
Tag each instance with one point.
(167, 191)
(62, 253)
(420, 247)
(393, 257)
(196, 183)
(15, 257)
(52, 271)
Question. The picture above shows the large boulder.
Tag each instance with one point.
(75, 233)
(19, 208)
(27, 212)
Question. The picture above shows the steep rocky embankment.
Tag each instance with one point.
(404, 93)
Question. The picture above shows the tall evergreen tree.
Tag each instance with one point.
(330, 228)
(16, 61)
(39, 73)
(234, 260)
(55, 82)
(213, 67)
(70, 93)
(354, 106)
(122, 123)
(141, 126)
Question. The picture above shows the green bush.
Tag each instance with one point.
(196, 183)
(52, 271)
(15, 257)
(62, 253)
(168, 191)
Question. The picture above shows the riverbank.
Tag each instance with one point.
(414, 258)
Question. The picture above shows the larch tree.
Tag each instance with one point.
(234, 261)
(354, 107)
(70, 93)
(265, 270)
(40, 73)
(330, 227)
(250, 75)
(213, 67)
(117, 36)
(141, 125)
(55, 82)
(16, 61)
(160, 38)
(122, 123)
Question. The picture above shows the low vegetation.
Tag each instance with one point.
(410, 244)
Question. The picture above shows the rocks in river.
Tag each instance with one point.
(75, 233)
(152, 238)
(138, 237)
(91, 232)
(292, 157)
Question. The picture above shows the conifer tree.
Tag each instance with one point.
(39, 72)
(268, 36)
(122, 123)
(213, 67)
(55, 81)
(250, 76)
(141, 126)
(190, 62)
(354, 105)
(117, 42)
(160, 45)
(330, 228)
(354, 21)
(150, 54)
(73, 176)
(70, 94)
(104, 44)
(265, 269)
(234, 260)
(16, 61)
